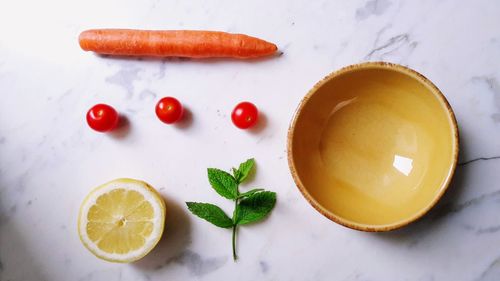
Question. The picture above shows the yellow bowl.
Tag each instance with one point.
(373, 146)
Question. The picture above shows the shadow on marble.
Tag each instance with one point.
(437, 216)
(278, 54)
(186, 121)
(123, 128)
(260, 126)
(17, 262)
(175, 239)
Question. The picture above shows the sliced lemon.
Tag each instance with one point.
(122, 220)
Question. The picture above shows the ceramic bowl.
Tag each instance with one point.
(373, 146)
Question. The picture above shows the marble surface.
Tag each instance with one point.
(50, 159)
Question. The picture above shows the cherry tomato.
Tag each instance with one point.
(102, 118)
(169, 110)
(245, 115)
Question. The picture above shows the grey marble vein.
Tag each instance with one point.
(106, 274)
(372, 8)
(196, 264)
(391, 45)
(64, 95)
(452, 208)
(147, 95)
(427, 277)
(13, 209)
(125, 78)
(478, 159)
(494, 86)
(264, 266)
(355, 276)
(488, 230)
(4, 218)
(162, 70)
(379, 34)
(492, 272)
(400, 46)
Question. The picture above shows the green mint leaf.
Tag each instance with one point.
(255, 207)
(223, 183)
(210, 213)
(251, 192)
(244, 170)
(236, 174)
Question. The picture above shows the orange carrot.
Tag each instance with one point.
(174, 43)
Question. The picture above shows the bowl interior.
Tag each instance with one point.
(373, 147)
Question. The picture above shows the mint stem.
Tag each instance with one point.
(235, 257)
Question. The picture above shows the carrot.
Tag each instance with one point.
(174, 43)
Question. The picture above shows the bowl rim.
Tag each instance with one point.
(361, 66)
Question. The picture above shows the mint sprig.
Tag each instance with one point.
(249, 207)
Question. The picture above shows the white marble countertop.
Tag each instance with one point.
(50, 159)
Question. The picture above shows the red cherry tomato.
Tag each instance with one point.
(245, 115)
(102, 118)
(169, 110)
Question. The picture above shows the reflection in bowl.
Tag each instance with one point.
(373, 146)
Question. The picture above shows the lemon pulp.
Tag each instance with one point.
(122, 220)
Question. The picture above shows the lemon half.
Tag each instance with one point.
(122, 220)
